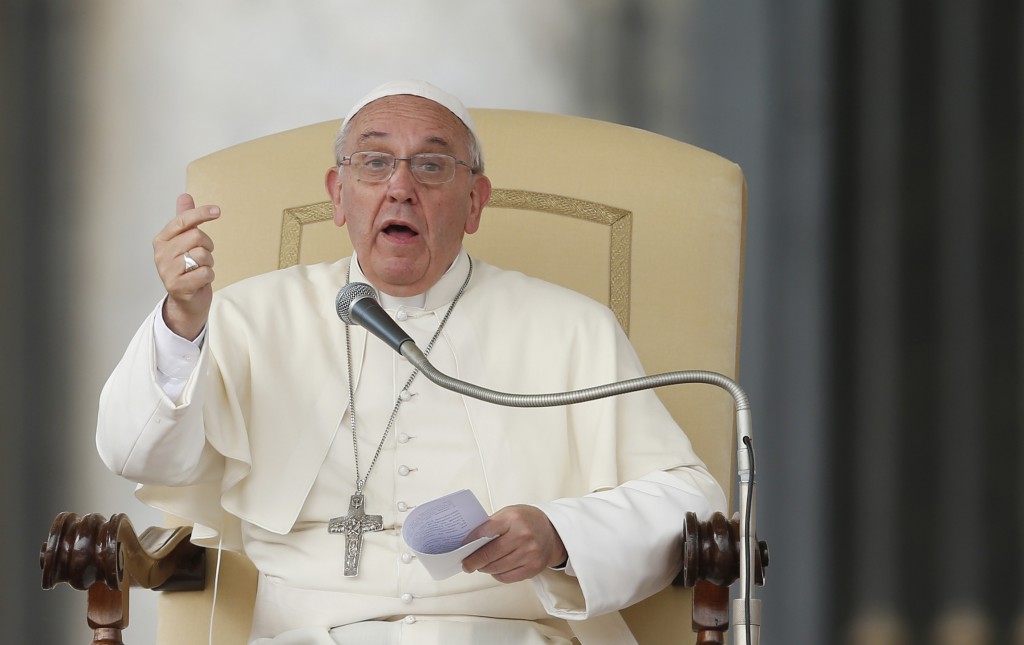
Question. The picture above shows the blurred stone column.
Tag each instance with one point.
(37, 77)
(931, 96)
(875, 291)
(959, 472)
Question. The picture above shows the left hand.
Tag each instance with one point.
(527, 544)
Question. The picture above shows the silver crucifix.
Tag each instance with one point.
(353, 526)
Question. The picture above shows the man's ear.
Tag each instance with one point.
(478, 198)
(332, 182)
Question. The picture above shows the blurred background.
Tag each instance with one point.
(883, 147)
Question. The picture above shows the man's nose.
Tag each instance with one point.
(402, 184)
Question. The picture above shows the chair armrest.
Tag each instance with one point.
(101, 556)
(711, 562)
(93, 553)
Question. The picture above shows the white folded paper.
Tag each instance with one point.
(436, 529)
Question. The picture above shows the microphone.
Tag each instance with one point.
(357, 305)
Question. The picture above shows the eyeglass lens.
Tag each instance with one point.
(426, 168)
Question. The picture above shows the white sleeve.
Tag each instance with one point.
(142, 433)
(624, 544)
(176, 357)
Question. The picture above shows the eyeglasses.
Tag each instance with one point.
(427, 168)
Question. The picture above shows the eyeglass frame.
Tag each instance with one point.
(394, 165)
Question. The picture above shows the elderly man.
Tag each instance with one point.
(259, 416)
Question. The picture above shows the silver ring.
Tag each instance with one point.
(190, 262)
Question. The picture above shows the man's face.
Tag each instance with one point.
(405, 233)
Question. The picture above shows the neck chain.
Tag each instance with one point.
(403, 393)
(357, 522)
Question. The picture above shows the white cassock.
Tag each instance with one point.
(257, 452)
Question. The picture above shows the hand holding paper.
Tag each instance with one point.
(436, 530)
(527, 544)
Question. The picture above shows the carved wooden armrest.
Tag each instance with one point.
(93, 553)
(107, 557)
(711, 562)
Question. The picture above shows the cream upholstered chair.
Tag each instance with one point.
(651, 226)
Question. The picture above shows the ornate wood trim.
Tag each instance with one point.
(98, 555)
(711, 562)
(107, 557)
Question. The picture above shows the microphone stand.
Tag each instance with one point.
(746, 610)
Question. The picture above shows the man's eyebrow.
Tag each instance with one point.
(371, 134)
(441, 141)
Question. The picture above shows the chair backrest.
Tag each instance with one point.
(651, 226)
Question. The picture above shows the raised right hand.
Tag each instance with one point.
(189, 294)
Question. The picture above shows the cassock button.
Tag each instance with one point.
(402, 506)
(409, 620)
(403, 438)
(404, 470)
(401, 316)
(407, 598)
(406, 557)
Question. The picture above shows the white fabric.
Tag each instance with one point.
(256, 422)
(415, 88)
(424, 457)
(176, 357)
(426, 630)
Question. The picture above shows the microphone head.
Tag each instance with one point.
(348, 295)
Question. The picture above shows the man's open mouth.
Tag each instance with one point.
(400, 231)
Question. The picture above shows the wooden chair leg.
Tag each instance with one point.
(710, 612)
(107, 613)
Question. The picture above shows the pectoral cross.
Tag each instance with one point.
(353, 526)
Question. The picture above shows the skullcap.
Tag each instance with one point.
(415, 88)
